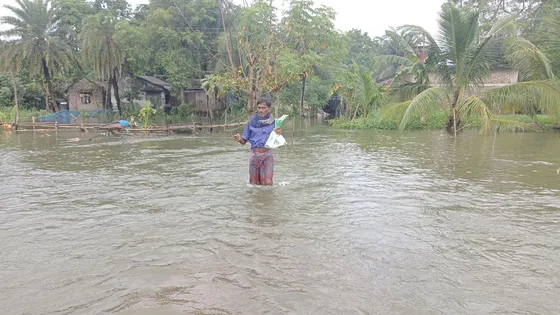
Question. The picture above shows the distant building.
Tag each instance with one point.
(157, 91)
(85, 95)
(201, 101)
(497, 78)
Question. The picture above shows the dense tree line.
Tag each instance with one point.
(297, 57)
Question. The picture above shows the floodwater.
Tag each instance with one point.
(357, 223)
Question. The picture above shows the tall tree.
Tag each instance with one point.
(272, 53)
(173, 39)
(361, 49)
(34, 23)
(407, 66)
(103, 52)
(309, 36)
(9, 64)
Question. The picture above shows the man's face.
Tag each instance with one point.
(263, 110)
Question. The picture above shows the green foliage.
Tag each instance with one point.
(276, 54)
(361, 50)
(317, 93)
(6, 90)
(99, 48)
(360, 92)
(146, 114)
(375, 121)
(8, 113)
(39, 47)
(544, 31)
(463, 58)
(252, 50)
(183, 111)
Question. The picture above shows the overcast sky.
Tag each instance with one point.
(371, 16)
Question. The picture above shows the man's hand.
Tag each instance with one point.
(278, 131)
(238, 138)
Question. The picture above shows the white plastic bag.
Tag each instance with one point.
(275, 141)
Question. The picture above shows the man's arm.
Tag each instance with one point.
(243, 138)
(239, 139)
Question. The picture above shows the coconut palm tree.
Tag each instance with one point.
(103, 52)
(463, 59)
(34, 25)
(407, 66)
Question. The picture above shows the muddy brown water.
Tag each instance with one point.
(357, 223)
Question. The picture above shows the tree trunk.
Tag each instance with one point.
(51, 103)
(355, 113)
(109, 103)
(302, 95)
(210, 111)
(228, 39)
(453, 121)
(250, 94)
(275, 104)
(16, 101)
(109, 100)
(117, 96)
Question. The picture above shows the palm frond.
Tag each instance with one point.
(385, 60)
(529, 60)
(552, 42)
(408, 90)
(426, 101)
(544, 95)
(500, 124)
(479, 57)
(455, 31)
(420, 32)
(99, 47)
(394, 112)
(473, 108)
(399, 42)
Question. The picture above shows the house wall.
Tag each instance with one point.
(200, 101)
(146, 92)
(156, 98)
(79, 103)
(496, 78)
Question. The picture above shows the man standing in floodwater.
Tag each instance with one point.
(257, 131)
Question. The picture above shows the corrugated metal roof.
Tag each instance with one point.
(156, 81)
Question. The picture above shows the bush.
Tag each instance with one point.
(374, 122)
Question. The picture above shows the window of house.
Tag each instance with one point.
(85, 97)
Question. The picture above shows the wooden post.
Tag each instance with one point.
(33, 120)
(293, 130)
(16, 101)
